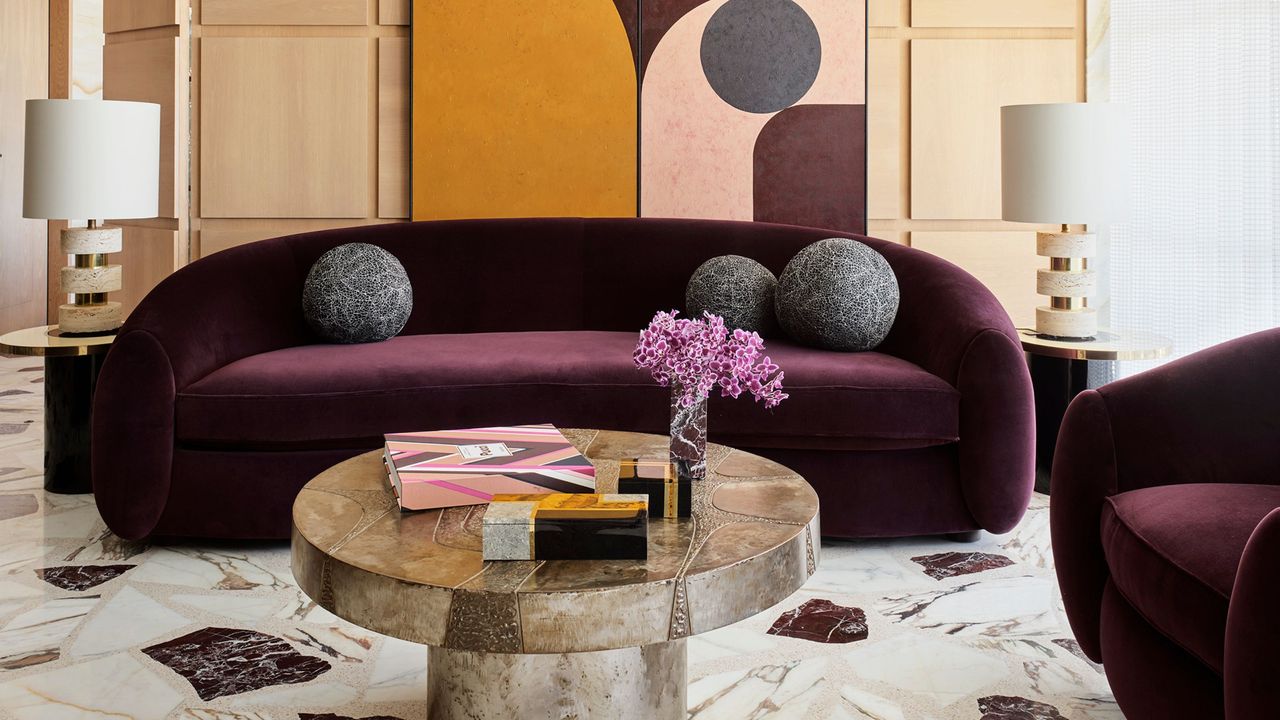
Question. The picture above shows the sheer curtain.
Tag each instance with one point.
(1198, 260)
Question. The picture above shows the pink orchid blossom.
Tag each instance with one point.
(699, 354)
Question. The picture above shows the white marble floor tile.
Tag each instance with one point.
(243, 607)
(145, 618)
(757, 693)
(399, 673)
(111, 687)
(1001, 608)
(870, 705)
(922, 665)
(35, 636)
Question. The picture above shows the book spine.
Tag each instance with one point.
(393, 477)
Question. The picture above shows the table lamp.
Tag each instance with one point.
(1065, 163)
(91, 159)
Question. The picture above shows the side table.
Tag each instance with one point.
(71, 364)
(1060, 371)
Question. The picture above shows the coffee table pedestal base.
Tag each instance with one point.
(643, 683)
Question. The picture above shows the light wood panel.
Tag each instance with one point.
(149, 256)
(221, 234)
(150, 71)
(283, 127)
(1005, 262)
(393, 12)
(884, 13)
(284, 12)
(993, 13)
(125, 15)
(24, 74)
(957, 88)
(393, 128)
(60, 88)
(884, 128)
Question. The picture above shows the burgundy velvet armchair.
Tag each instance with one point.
(216, 403)
(1166, 532)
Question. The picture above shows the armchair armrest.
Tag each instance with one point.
(1253, 630)
(1208, 417)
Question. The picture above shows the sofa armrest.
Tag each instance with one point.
(997, 430)
(1251, 666)
(952, 326)
(132, 428)
(942, 312)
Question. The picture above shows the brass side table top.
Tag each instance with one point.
(1108, 345)
(752, 541)
(48, 341)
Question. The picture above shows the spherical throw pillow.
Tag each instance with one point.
(357, 293)
(736, 288)
(837, 294)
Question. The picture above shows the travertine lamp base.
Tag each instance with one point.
(89, 279)
(1068, 282)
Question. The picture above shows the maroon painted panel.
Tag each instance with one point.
(811, 168)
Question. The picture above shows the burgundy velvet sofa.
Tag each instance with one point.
(216, 403)
(1166, 533)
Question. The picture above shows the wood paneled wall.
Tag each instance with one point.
(938, 72)
(145, 60)
(300, 117)
(24, 74)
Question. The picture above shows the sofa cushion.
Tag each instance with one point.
(319, 396)
(1173, 552)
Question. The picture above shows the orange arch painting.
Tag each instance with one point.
(522, 110)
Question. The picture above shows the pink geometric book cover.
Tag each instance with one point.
(446, 468)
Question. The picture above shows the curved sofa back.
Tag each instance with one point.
(496, 275)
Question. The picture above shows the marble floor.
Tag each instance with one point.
(94, 627)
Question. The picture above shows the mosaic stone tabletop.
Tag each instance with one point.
(750, 543)
(894, 629)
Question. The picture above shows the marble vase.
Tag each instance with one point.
(688, 436)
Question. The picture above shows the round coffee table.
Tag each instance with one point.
(538, 639)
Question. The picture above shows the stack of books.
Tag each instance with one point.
(448, 468)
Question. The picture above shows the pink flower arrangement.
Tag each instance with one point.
(696, 355)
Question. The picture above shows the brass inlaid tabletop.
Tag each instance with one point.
(48, 341)
(419, 576)
(1107, 345)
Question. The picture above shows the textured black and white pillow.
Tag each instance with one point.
(736, 288)
(837, 294)
(357, 293)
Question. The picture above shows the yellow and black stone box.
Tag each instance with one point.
(669, 495)
(567, 526)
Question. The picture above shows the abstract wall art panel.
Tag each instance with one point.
(523, 109)
(727, 109)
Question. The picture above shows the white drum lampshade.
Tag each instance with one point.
(1065, 163)
(91, 159)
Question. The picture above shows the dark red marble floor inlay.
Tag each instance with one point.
(81, 577)
(822, 621)
(15, 506)
(226, 661)
(951, 564)
(1005, 707)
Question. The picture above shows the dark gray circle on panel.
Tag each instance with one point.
(761, 56)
